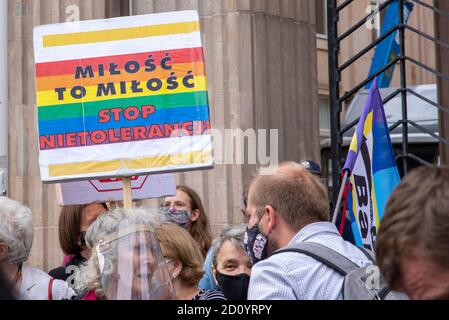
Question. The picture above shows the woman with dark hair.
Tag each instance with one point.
(186, 210)
(73, 223)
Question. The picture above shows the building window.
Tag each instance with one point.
(321, 17)
(324, 109)
(324, 118)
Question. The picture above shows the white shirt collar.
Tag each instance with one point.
(313, 229)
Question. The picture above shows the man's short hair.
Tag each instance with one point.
(416, 217)
(297, 195)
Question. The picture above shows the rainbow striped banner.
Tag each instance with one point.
(122, 96)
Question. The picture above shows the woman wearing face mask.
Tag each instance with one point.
(184, 262)
(73, 223)
(186, 210)
(231, 264)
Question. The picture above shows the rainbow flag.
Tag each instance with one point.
(372, 170)
(122, 96)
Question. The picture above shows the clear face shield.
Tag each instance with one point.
(133, 267)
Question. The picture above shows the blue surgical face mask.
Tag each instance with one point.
(255, 244)
(180, 217)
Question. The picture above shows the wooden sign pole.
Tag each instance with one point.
(127, 193)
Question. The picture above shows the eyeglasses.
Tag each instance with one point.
(177, 205)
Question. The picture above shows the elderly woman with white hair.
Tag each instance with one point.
(231, 265)
(126, 261)
(16, 239)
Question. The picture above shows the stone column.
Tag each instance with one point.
(25, 183)
(261, 70)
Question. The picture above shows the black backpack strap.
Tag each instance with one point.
(323, 254)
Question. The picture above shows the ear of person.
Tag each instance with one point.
(177, 267)
(214, 273)
(195, 215)
(271, 216)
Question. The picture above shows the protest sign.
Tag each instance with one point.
(110, 189)
(121, 97)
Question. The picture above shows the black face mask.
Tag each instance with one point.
(255, 244)
(233, 287)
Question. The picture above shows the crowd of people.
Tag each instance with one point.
(288, 249)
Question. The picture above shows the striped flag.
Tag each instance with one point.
(372, 170)
(121, 96)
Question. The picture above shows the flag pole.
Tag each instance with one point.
(340, 193)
